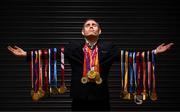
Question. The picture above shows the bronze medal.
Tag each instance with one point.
(153, 96)
(99, 81)
(84, 80)
(62, 89)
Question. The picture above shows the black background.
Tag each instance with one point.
(132, 24)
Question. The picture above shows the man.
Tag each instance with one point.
(90, 96)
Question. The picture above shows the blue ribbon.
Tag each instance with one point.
(55, 68)
(122, 65)
(135, 69)
(131, 72)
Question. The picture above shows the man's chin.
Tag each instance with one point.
(92, 37)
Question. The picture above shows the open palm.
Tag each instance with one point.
(17, 51)
(163, 48)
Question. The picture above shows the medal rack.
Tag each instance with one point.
(44, 73)
(138, 71)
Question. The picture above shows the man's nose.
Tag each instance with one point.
(91, 26)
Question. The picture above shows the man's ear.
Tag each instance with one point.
(82, 32)
(99, 31)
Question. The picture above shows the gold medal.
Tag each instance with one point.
(84, 80)
(41, 92)
(92, 74)
(144, 95)
(35, 97)
(127, 96)
(54, 91)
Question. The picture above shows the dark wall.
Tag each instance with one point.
(132, 24)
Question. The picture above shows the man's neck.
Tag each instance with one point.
(91, 43)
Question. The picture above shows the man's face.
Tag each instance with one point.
(91, 30)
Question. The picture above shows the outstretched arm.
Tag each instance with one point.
(17, 51)
(163, 48)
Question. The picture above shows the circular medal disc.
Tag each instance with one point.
(41, 93)
(153, 96)
(138, 99)
(35, 97)
(62, 89)
(55, 91)
(99, 81)
(91, 74)
(84, 80)
(144, 95)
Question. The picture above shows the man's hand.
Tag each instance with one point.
(17, 51)
(163, 48)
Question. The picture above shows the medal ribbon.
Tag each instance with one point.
(32, 70)
(62, 66)
(144, 72)
(131, 72)
(126, 72)
(149, 58)
(138, 73)
(85, 65)
(91, 61)
(40, 69)
(154, 95)
(55, 68)
(49, 52)
(45, 70)
(135, 70)
(36, 72)
(96, 60)
(122, 68)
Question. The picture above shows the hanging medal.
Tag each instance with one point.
(35, 96)
(62, 89)
(144, 94)
(32, 72)
(154, 94)
(131, 81)
(138, 99)
(122, 73)
(54, 89)
(126, 93)
(46, 78)
(41, 92)
(135, 72)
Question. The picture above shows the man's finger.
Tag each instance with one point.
(161, 44)
(17, 47)
(10, 48)
(169, 45)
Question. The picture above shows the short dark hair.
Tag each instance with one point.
(89, 20)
